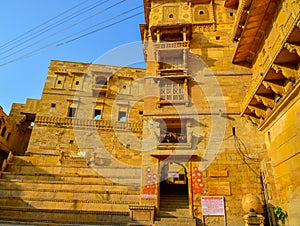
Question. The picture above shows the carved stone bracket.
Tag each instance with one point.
(292, 48)
(253, 119)
(266, 99)
(289, 73)
(276, 87)
(259, 111)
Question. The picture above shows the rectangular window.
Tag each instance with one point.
(72, 112)
(172, 91)
(173, 131)
(97, 114)
(122, 116)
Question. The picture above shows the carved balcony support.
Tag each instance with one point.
(253, 119)
(292, 48)
(276, 86)
(259, 111)
(265, 99)
(289, 73)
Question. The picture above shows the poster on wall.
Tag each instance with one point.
(213, 206)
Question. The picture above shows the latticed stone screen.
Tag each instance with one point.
(172, 91)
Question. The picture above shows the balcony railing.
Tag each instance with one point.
(80, 122)
(172, 45)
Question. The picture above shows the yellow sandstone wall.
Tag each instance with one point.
(283, 145)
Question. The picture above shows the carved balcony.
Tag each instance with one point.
(99, 89)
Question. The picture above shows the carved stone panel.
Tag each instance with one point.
(170, 13)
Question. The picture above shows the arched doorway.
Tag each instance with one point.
(173, 187)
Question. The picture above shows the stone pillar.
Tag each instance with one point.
(157, 33)
(184, 34)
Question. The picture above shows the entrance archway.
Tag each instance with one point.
(173, 187)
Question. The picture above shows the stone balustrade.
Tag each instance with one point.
(78, 122)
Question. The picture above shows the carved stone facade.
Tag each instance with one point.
(121, 145)
(272, 101)
(15, 131)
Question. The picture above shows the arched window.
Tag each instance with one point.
(101, 80)
(3, 131)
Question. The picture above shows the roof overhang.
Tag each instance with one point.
(253, 19)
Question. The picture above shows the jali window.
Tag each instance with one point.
(172, 91)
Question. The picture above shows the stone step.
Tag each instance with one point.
(56, 194)
(67, 204)
(173, 199)
(37, 160)
(74, 178)
(178, 213)
(176, 223)
(62, 185)
(30, 216)
(64, 170)
(66, 160)
(31, 223)
(173, 208)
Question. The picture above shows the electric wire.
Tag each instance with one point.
(50, 27)
(243, 156)
(64, 29)
(27, 33)
(55, 44)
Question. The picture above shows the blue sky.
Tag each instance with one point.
(21, 79)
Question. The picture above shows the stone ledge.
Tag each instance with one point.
(23, 209)
(67, 183)
(141, 215)
(69, 200)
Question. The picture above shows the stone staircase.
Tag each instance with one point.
(41, 190)
(174, 207)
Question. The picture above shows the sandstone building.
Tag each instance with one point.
(213, 117)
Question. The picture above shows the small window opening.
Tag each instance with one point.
(124, 87)
(59, 82)
(71, 141)
(141, 112)
(201, 12)
(3, 131)
(97, 114)
(217, 37)
(122, 116)
(53, 105)
(171, 16)
(77, 83)
(8, 136)
(231, 13)
(72, 112)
